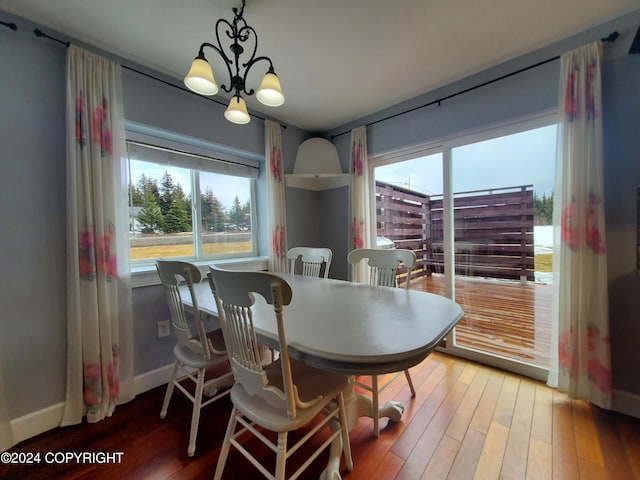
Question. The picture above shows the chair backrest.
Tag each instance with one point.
(172, 275)
(234, 292)
(383, 264)
(312, 259)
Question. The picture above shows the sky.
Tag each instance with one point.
(520, 159)
(224, 187)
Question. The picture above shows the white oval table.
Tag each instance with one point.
(351, 328)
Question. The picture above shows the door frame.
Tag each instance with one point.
(445, 146)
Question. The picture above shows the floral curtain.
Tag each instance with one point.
(99, 315)
(276, 216)
(360, 199)
(581, 308)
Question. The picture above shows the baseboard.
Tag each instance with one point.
(627, 403)
(43, 420)
(150, 380)
(37, 422)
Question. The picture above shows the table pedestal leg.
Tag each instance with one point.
(357, 405)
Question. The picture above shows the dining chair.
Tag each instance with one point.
(282, 396)
(312, 259)
(194, 354)
(383, 268)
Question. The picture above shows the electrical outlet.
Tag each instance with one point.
(163, 329)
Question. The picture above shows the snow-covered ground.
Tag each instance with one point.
(543, 243)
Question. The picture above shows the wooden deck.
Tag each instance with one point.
(502, 317)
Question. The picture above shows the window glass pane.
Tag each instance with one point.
(226, 214)
(160, 211)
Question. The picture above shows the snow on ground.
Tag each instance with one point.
(543, 243)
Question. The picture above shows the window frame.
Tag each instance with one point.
(143, 270)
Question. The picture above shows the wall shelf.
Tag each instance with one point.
(317, 181)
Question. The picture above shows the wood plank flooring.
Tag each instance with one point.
(467, 421)
(504, 318)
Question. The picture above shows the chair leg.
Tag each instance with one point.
(410, 382)
(281, 458)
(169, 391)
(344, 424)
(226, 443)
(195, 415)
(376, 409)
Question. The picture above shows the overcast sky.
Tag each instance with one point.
(525, 158)
(224, 187)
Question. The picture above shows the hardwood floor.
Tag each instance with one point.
(466, 421)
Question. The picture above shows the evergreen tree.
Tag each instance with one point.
(150, 216)
(147, 185)
(166, 194)
(543, 209)
(213, 215)
(236, 214)
(246, 211)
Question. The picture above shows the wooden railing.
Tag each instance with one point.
(493, 229)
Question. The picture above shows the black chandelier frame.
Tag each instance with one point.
(239, 32)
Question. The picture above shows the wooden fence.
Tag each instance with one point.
(493, 229)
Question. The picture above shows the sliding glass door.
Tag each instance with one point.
(483, 238)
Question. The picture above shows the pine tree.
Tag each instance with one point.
(150, 216)
(236, 214)
(213, 214)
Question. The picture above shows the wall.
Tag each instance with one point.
(32, 243)
(621, 104)
(32, 191)
(529, 93)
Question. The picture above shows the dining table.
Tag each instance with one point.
(351, 328)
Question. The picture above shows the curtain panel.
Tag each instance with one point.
(99, 313)
(581, 309)
(276, 216)
(360, 199)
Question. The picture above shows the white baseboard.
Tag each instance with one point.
(37, 422)
(48, 418)
(627, 403)
(150, 380)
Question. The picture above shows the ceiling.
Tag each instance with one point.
(338, 60)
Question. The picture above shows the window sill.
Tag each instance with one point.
(147, 275)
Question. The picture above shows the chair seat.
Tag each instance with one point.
(188, 357)
(311, 384)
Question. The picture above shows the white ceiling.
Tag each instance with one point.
(338, 60)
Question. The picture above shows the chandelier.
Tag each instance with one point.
(200, 77)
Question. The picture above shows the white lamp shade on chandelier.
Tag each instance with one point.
(236, 112)
(200, 77)
(270, 92)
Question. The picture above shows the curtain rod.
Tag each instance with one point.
(10, 25)
(611, 38)
(39, 33)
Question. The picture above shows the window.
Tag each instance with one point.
(188, 206)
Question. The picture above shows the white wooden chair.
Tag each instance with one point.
(194, 354)
(312, 259)
(282, 396)
(383, 267)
